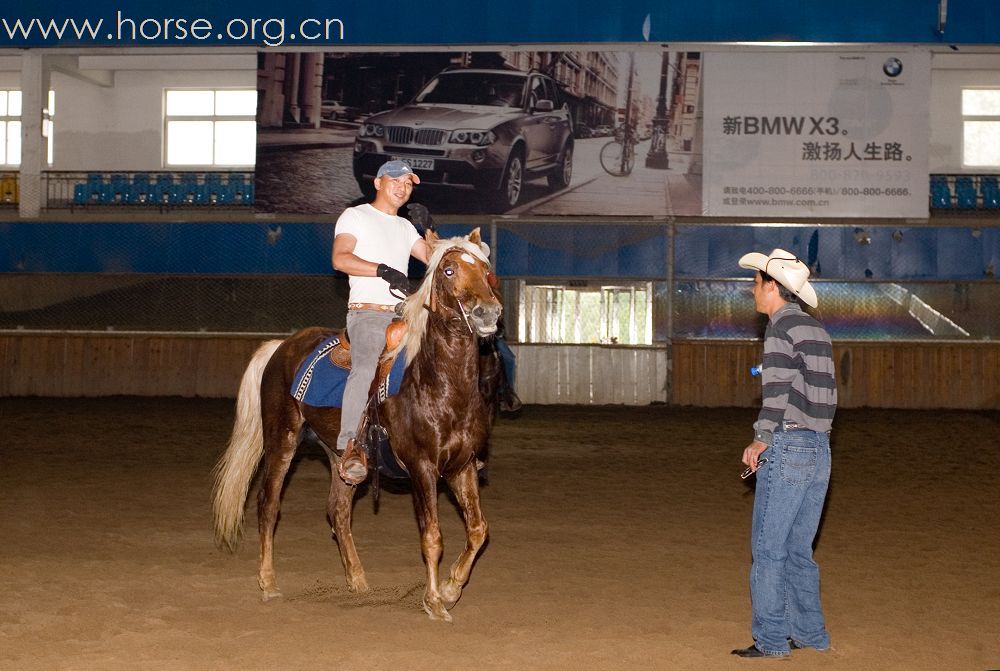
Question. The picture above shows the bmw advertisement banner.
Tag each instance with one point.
(535, 133)
(816, 134)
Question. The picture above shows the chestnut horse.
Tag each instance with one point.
(437, 423)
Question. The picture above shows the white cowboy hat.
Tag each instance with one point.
(784, 267)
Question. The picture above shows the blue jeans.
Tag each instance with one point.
(784, 579)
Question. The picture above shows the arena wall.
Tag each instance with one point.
(698, 373)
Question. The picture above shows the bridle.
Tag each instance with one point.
(462, 313)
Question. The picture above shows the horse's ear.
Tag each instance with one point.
(430, 236)
(474, 236)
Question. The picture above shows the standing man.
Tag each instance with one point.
(373, 245)
(790, 453)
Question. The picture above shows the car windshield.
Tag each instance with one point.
(474, 88)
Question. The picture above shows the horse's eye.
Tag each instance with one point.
(449, 271)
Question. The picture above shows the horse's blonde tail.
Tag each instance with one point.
(235, 469)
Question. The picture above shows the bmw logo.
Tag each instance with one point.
(892, 67)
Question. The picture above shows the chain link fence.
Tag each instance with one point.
(627, 284)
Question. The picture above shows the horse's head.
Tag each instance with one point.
(459, 282)
(456, 290)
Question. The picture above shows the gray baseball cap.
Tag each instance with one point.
(396, 169)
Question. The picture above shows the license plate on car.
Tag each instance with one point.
(416, 163)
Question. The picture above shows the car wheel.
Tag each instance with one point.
(561, 176)
(512, 184)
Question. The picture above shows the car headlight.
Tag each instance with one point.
(480, 138)
(372, 130)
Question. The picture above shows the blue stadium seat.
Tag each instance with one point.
(188, 191)
(214, 191)
(940, 192)
(80, 194)
(116, 189)
(965, 193)
(989, 189)
(163, 188)
(95, 187)
(140, 191)
(239, 190)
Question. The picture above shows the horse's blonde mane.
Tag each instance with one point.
(414, 310)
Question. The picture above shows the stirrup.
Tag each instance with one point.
(353, 465)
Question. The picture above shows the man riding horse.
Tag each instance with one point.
(373, 245)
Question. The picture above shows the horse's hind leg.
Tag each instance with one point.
(339, 508)
(425, 503)
(465, 485)
(280, 438)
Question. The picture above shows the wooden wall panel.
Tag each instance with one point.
(100, 364)
(870, 374)
(698, 373)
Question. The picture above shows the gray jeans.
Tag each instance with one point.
(366, 329)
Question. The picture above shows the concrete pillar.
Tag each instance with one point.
(312, 87)
(34, 96)
(293, 70)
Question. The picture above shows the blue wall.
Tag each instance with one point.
(525, 250)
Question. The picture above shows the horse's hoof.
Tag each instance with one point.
(270, 593)
(451, 592)
(437, 612)
(358, 585)
(269, 588)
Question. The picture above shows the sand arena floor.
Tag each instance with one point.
(108, 560)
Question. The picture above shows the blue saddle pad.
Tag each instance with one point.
(320, 383)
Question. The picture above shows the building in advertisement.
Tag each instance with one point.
(685, 114)
(589, 81)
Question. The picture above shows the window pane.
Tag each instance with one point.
(3, 142)
(981, 102)
(14, 143)
(14, 103)
(981, 143)
(235, 142)
(3, 103)
(236, 103)
(190, 103)
(189, 143)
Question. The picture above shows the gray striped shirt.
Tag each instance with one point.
(798, 377)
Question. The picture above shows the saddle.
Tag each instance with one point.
(340, 355)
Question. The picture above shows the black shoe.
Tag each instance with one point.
(753, 652)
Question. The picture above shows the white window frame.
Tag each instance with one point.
(48, 127)
(978, 118)
(214, 119)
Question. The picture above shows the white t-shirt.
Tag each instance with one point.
(382, 238)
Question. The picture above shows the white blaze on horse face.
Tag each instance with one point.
(468, 258)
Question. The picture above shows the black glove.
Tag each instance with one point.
(420, 217)
(397, 280)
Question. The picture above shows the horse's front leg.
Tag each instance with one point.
(465, 485)
(425, 504)
(339, 509)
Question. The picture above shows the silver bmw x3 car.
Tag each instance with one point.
(487, 130)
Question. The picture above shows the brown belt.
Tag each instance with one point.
(380, 307)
